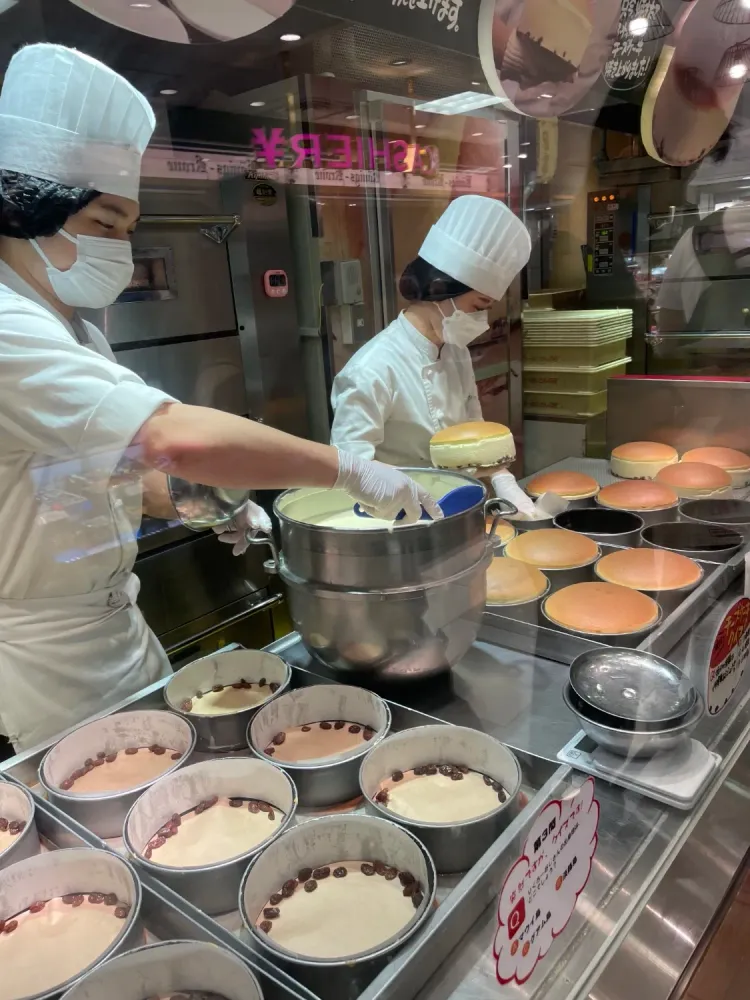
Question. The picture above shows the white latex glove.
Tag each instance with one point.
(383, 491)
(506, 488)
(249, 522)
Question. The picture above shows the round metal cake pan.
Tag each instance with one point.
(212, 888)
(331, 780)
(453, 846)
(105, 814)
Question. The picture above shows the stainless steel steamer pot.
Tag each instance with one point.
(381, 558)
(398, 603)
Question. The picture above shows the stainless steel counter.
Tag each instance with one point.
(658, 878)
(659, 875)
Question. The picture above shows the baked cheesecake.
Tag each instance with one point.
(641, 459)
(649, 569)
(736, 463)
(512, 582)
(472, 445)
(553, 549)
(695, 480)
(601, 609)
(568, 485)
(638, 496)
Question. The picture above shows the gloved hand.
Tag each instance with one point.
(506, 488)
(383, 491)
(249, 521)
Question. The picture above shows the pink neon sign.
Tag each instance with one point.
(337, 151)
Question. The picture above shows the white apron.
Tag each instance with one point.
(64, 659)
(72, 640)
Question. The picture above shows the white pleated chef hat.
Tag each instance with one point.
(68, 118)
(479, 242)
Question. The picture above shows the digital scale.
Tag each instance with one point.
(676, 777)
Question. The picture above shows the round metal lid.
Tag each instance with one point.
(632, 684)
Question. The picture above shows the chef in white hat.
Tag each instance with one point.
(416, 376)
(84, 443)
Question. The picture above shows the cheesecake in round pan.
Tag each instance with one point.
(504, 532)
(565, 484)
(736, 463)
(641, 459)
(601, 609)
(638, 496)
(512, 582)
(553, 548)
(695, 480)
(472, 445)
(649, 569)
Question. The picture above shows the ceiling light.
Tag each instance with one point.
(738, 71)
(141, 6)
(461, 104)
(257, 104)
(291, 37)
(523, 156)
(351, 118)
(401, 61)
(477, 134)
(168, 92)
(420, 126)
(508, 166)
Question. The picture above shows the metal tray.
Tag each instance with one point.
(164, 914)
(461, 898)
(563, 647)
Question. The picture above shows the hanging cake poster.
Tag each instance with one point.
(544, 56)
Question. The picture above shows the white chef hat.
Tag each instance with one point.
(479, 242)
(66, 117)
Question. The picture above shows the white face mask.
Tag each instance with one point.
(101, 272)
(461, 328)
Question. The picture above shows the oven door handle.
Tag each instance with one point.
(265, 605)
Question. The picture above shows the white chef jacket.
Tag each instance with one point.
(397, 392)
(72, 640)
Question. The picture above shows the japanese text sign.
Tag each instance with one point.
(729, 656)
(542, 888)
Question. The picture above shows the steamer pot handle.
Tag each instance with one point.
(496, 508)
(272, 565)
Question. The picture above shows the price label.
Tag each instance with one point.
(729, 657)
(542, 888)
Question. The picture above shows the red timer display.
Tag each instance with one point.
(276, 284)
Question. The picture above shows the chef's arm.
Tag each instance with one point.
(215, 448)
(156, 499)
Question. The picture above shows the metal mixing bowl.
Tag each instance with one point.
(631, 744)
(637, 687)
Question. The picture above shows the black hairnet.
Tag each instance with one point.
(421, 282)
(32, 207)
